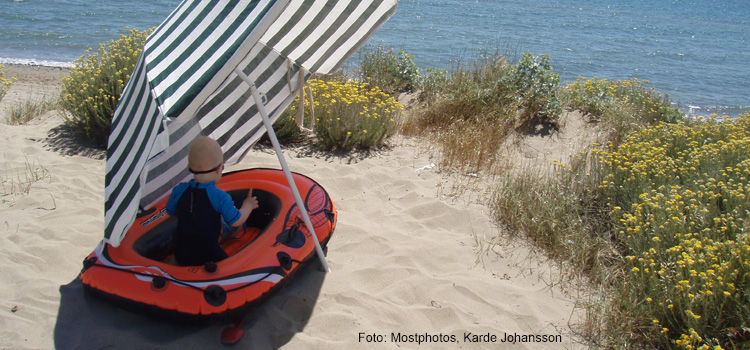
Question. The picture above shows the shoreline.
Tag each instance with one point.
(57, 68)
(6, 61)
(35, 73)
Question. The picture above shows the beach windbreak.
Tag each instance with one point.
(184, 85)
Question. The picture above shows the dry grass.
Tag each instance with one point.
(20, 182)
(25, 111)
(655, 218)
(470, 111)
(563, 209)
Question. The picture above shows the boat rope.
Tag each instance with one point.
(88, 263)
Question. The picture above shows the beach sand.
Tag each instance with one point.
(411, 255)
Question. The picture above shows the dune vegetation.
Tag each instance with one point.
(4, 83)
(91, 93)
(654, 215)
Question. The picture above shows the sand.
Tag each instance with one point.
(412, 258)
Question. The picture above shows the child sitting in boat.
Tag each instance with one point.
(200, 206)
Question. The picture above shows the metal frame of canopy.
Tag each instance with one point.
(284, 166)
(189, 81)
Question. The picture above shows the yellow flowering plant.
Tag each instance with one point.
(351, 115)
(4, 83)
(91, 92)
(660, 221)
(680, 204)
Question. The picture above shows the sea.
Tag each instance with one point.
(696, 51)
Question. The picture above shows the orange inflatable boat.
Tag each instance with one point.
(140, 272)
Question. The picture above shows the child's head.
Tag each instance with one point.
(205, 159)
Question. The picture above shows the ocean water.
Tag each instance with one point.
(697, 51)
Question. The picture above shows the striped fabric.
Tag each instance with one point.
(185, 86)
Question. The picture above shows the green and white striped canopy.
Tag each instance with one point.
(184, 86)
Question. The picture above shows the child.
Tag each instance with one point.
(199, 206)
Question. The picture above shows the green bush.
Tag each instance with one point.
(620, 106)
(350, 115)
(598, 98)
(433, 83)
(469, 111)
(92, 90)
(393, 72)
(537, 85)
(510, 97)
(472, 92)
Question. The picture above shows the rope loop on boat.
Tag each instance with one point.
(159, 282)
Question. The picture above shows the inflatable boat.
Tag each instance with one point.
(274, 243)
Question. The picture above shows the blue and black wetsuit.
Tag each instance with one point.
(199, 208)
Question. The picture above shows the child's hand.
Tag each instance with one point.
(252, 202)
(248, 205)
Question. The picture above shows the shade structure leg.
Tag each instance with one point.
(284, 166)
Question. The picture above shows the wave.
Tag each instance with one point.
(707, 111)
(35, 62)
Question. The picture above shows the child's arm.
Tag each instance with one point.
(248, 205)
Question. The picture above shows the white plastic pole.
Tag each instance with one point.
(284, 166)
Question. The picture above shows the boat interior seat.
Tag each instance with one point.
(157, 244)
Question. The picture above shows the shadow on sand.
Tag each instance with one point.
(85, 322)
(63, 140)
